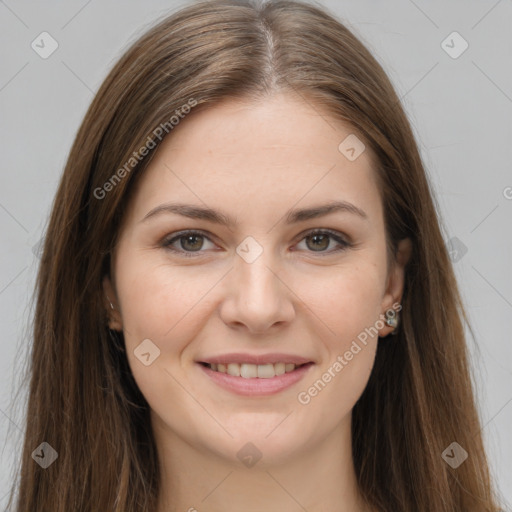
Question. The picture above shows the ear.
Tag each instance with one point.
(396, 280)
(111, 304)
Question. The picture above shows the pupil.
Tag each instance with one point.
(191, 237)
(324, 237)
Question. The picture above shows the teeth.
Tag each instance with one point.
(234, 369)
(252, 371)
(280, 368)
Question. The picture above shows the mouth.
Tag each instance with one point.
(254, 371)
(249, 379)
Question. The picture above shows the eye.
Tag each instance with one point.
(190, 242)
(321, 239)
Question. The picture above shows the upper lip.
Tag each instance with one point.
(255, 359)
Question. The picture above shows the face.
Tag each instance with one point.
(271, 286)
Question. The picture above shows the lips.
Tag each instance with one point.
(247, 374)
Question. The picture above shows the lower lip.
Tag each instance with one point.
(256, 386)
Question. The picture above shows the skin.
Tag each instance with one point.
(254, 161)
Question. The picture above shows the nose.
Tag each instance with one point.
(256, 297)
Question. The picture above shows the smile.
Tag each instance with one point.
(255, 380)
(253, 371)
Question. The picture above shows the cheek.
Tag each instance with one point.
(348, 301)
(163, 305)
(348, 305)
(157, 300)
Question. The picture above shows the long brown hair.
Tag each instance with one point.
(83, 400)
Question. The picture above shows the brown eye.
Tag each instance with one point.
(189, 242)
(319, 241)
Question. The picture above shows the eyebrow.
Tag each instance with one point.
(292, 216)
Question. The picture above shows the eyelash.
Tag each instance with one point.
(166, 243)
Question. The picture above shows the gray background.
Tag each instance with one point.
(460, 109)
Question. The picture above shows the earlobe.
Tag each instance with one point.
(391, 303)
(111, 305)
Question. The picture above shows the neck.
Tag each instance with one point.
(316, 477)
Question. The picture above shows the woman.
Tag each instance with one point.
(244, 300)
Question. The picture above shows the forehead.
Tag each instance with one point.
(259, 157)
